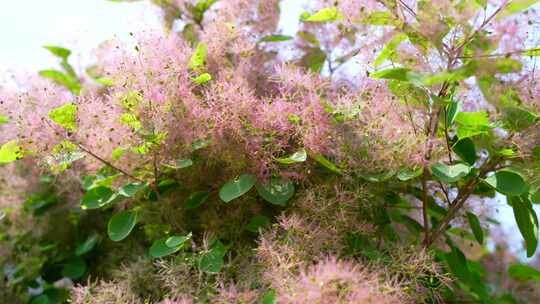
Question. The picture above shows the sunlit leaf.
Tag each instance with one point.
(65, 116)
(198, 59)
(10, 152)
(58, 51)
(328, 14)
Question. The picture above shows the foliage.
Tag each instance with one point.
(229, 163)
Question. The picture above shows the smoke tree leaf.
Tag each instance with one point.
(88, 245)
(296, 157)
(257, 222)
(58, 51)
(129, 190)
(196, 199)
(97, 197)
(74, 268)
(450, 173)
(466, 150)
(527, 222)
(276, 191)
(65, 116)
(198, 59)
(62, 79)
(516, 6)
(237, 187)
(121, 225)
(10, 152)
(507, 182)
(328, 14)
(276, 38)
(523, 272)
(474, 223)
(326, 163)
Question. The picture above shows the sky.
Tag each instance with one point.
(81, 25)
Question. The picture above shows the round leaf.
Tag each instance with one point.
(507, 182)
(196, 199)
(296, 157)
(177, 240)
(257, 222)
(74, 268)
(523, 272)
(450, 174)
(236, 188)
(88, 245)
(276, 191)
(211, 262)
(97, 197)
(121, 224)
(160, 249)
(131, 189)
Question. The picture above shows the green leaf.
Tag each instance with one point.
(516, 6)
(474, 223)
(458, 265)
(380, 18)
(297, 157)
(88, 245)
(177, 240)
(198, 59)
(97, 197)
(3, 119)
(196, 199)
(535, 197)
(408, 174)
(131, 121)
(532, 52)
(328, 14)
(269, 298)
(276, 38)
(527, 222)
(41, 299)
(472, 123)
(121, 224)
(237, 187)
(389, 50)
(257, 222)
(181, 164)
(62, 79)
(393, 73)
(523, 272)
(160, 249)
(65, 116)
(507, 182)
(466, 150)
(58, 51)
(212, 260)
(326, 163)
(482, 3)
(277, 191)
(74, 268)
(202, 79)
(129, 190)
(10, 152)
(451, 112)
(450, 173)
(313, 59)
(517, 119)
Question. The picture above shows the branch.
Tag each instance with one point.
(106, 162)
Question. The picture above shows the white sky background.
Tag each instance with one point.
(81, 25)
